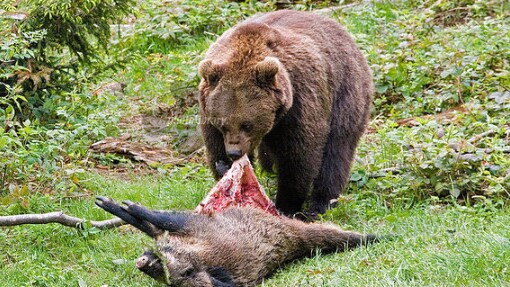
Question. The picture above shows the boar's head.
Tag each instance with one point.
(176, 260)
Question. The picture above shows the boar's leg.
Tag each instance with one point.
(117, 210)
(329, 238)
(170, 221)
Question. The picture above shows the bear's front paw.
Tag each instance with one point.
(222, 167)
(306, 216)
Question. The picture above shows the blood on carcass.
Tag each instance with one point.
(238, 187)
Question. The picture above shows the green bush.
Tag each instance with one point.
(426, 60)
(420, 59)
(53, 46)
(166, 25)
(51, 52)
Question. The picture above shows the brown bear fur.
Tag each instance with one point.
(293, 86)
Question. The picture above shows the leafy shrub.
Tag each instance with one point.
(462, 157)
(50, 52)
(419, 63)
(426, 60)
(44, 51)
(184, 23)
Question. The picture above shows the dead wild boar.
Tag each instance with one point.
(238, 246)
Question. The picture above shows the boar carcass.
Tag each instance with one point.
(235, 237)
(238, 187)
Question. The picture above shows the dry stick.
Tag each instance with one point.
(57, 217)
(480, 136)
(383, 172)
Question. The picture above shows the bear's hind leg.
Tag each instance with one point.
(294, 183)
(349, 116)
(334, 173)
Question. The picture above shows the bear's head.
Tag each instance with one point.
(244, 100)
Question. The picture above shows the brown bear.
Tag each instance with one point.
(293, 87)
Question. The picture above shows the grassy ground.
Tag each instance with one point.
(436, 245)
(423, 172)
(50, 255)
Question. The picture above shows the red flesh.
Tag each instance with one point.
(238, 187)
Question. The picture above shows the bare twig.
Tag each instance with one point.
(57, 217)
(480, 136)
(383, 172)
(336, 9)
(3, 177)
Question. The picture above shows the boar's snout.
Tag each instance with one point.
(150, 264)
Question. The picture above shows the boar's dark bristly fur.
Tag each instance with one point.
(237, 247)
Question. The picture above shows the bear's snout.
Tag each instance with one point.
(234, 154)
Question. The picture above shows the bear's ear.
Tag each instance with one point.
(209, 71)
(266, 71)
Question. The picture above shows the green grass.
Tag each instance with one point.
(434, 245)
(443, 196)
(52, 255)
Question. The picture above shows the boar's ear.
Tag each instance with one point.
(210, 72)
(266, 71)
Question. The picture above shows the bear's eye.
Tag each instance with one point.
(247, 127)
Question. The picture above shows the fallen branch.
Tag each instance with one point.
(446, 117)
(384, 172)
(136, 151)
(57, 217)
(480, 136)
